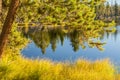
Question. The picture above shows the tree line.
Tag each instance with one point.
(108, 12)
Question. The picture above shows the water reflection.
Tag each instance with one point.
(78, 38)
(114, 35)
(60, 46)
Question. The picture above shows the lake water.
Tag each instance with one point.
(65, 52)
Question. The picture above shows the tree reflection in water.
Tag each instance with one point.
(78, 37)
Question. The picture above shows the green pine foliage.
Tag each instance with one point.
(75, 15)
(16, 42)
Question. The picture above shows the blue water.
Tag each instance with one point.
(65, 52)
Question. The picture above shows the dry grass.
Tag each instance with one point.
(26, 69)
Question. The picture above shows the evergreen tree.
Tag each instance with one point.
(116, 10)
(107, 10)
(0, 6)
(79, 14)
(8, 24)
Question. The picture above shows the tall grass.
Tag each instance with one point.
(26, 69)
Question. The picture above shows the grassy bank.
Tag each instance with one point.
(25, 69)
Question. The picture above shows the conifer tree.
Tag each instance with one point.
(8, 24)
(116, 10)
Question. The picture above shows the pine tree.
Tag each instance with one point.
(8, 25)
(107, 10)
(116, 10)
(0, 6)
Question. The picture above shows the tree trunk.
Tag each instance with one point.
(0, 10)
(0, 7)
(8, 24)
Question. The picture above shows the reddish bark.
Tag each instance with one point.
(8, 24)
(0, 6)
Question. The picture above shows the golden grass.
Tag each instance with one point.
(26, 69)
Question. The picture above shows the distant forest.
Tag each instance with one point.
(108, 12)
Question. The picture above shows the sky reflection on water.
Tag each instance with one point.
(65, 52)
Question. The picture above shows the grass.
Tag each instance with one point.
(26, 69)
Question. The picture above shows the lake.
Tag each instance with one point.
(66, 49)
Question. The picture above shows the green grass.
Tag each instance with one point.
(26, 69)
